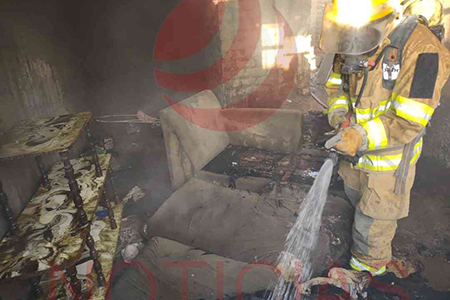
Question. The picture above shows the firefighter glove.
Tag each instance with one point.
(348, 141)
(336, 117)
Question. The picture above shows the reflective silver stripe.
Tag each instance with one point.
(362, 267)
(334, 81)
(384, 107)
(418, 115)
(417, 150)
(376, 134)
(363, 117)
(358, 264)
(412, 110)
(367, 114)
(340, 101)
(380, 163)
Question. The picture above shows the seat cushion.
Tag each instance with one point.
(227, 222)
(246, 226)
(209, 276)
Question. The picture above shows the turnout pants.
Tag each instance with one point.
(377, 209)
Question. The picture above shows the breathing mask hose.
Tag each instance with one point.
(363, 86)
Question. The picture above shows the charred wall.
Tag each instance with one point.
(119, 43)
(39, 76)
(125, 44)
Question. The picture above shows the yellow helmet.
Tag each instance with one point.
(356, 27)
(431, 10)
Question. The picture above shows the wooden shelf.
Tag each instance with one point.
(106, 246)
(43, 136)
(50, 234)
(106, 240)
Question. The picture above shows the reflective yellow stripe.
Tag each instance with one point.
(360, 266)
(412, 110)
(338, 102)
(406, 108)
(334, 80)
(363, 115)
(376, 134)
(387, 162)
(417, 151)
(380, 162)
(382, 108)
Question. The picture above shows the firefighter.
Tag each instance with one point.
(384, 87)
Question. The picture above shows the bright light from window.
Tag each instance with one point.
(270, 35)
(269, 58)
(303, 44)
(270, 41)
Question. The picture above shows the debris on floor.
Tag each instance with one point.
(401, 267)
(129, 233)
(130, 252)
(134, 195)
(108, 143)
(352, 282)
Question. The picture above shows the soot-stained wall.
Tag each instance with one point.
(125, 45)
(39, 77)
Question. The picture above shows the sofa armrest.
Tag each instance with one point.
(190, 146)
(273, 129)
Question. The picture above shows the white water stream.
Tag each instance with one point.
(302, 237)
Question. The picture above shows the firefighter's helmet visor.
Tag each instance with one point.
(344, 38)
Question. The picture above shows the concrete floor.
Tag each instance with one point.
(140, 152)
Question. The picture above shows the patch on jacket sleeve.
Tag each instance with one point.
(425, 75)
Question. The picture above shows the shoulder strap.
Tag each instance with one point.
(392, 54)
